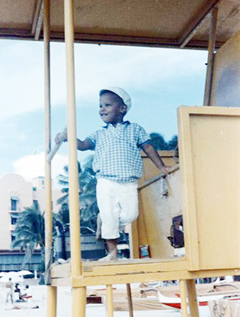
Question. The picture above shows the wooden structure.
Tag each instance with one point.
(184, 23)
(181, 23)
(210, 161)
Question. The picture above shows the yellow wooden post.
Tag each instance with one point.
(109, 300)
(52, 291)
(183, 294)
(51, 301)
(189, 210)
(72, 142)
(79, 294)
(192, 298)
(78, 302)
(48, 201)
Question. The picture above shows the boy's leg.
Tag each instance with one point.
(109, 209)
(112, 246)
(118, 205)
(128, 202)
(109, 215)
(112, 250)
(111, 243)
(99, 228)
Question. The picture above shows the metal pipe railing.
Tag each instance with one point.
(52, 153)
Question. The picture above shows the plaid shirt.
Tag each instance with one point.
(117, 151)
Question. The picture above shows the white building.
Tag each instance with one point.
(15, 195)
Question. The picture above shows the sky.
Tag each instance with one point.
(159, 80)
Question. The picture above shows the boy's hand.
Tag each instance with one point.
(164, 171)
(61, 137)
(57, 138)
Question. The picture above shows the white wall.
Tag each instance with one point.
(13, 185)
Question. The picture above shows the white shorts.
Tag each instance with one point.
(118, 205)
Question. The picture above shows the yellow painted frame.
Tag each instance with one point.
(78, 274)
(209, 145)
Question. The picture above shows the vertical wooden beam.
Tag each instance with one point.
(51, 301)
(79, 302)
(109, 296)
(192, 298)
(52, 291)
(72, 142)
(183, 294)
(48, 198)
(211, 50)
(79, 294)
(191, 235)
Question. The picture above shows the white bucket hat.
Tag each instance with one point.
(121, 93)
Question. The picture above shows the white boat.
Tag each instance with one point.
(175, 301)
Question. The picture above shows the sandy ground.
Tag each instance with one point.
(64, 306)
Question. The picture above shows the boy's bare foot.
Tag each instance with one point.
(112, 256)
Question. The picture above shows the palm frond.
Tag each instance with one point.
(30, 230)
(87, 194)
(63, 199)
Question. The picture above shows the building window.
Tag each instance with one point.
(13, 219)
(13, 237)
(13, 204)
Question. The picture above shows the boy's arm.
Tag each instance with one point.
(84, 145)
(81, 145)
(154, 157)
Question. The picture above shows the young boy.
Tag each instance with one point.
(118, 165)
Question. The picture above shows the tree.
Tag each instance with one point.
(62, 215)
(30, 231)
(159, 142)
(172, 144)
(64, 182)
(87, 195)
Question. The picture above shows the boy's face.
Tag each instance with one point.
(112, 109)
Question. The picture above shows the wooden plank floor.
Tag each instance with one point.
(130, 271)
